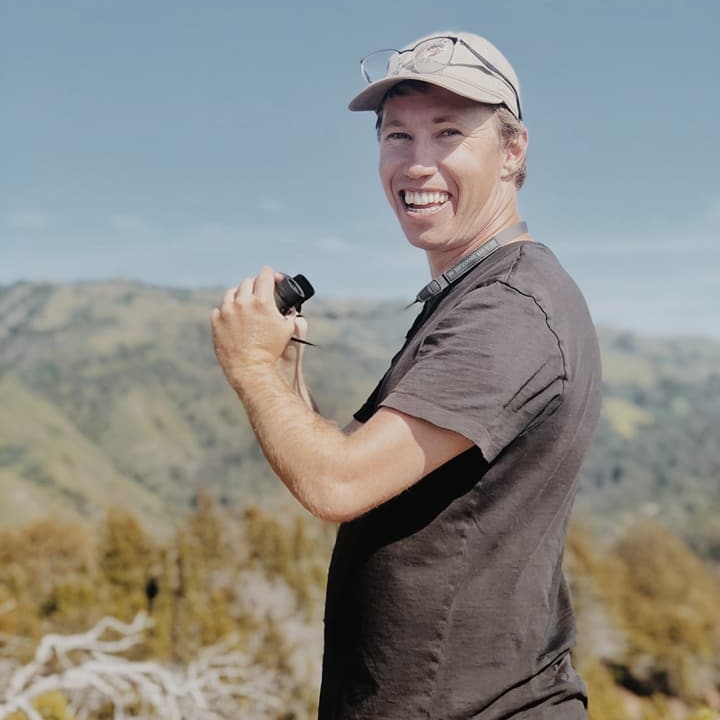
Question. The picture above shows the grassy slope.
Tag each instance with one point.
(112, 390)
(48, 466)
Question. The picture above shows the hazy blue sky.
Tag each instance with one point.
(187, 143)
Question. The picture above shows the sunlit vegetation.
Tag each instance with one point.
(649, 625)
(649, 620)
(252, 576)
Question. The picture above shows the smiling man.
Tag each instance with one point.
(455, 481)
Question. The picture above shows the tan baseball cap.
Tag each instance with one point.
(463, 63)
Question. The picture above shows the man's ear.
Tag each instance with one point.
(514, 154)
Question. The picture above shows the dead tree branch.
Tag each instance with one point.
(89, 670)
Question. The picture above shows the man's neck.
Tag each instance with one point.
(441, 262)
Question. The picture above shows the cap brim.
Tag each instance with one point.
(371, 97)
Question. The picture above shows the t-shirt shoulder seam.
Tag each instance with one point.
(548, 324)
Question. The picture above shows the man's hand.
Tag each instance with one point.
(248, 329)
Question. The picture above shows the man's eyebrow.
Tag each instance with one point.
(447, 118)
(439, 120)
(392, 123)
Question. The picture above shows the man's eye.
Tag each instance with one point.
(447, 132)
(397, 135)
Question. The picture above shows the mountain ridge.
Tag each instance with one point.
(110, 391)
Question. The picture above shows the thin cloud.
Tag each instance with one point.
(27, 220)
(712, 216)
(621, 246)
(699, 236)
(335, 245)
(270, 205)
(129, 223)
(220, 235)
(656, 316)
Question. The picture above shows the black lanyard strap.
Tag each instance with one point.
(438, 284)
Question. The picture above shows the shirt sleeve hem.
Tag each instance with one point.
(419, 408)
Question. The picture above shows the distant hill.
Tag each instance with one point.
(656, 454)
(110, 393)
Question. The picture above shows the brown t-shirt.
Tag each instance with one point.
(448, 602)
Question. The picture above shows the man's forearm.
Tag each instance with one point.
(305, 450)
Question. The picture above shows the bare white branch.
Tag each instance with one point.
(89, 671)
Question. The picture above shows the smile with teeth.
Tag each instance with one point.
(423, 201)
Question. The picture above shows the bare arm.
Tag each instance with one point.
(336, 475)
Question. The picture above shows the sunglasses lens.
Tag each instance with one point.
(433, 55)
(379, 65)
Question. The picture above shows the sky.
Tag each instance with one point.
(188, 143)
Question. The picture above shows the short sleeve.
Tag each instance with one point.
(490, 369)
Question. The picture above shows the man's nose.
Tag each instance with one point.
(420, 161)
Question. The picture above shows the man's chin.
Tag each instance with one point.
(427, 240)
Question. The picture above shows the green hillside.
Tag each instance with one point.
(109, 392)
(48, 466)
(656, 454)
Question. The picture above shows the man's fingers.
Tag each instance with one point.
(262, 286)
(265, 283)
(229, 296)
(244, 289)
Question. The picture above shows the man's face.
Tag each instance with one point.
(441, 164)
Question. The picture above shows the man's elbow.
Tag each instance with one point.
(335, 502)
(340, 515)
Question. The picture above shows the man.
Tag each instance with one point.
(455, 480)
